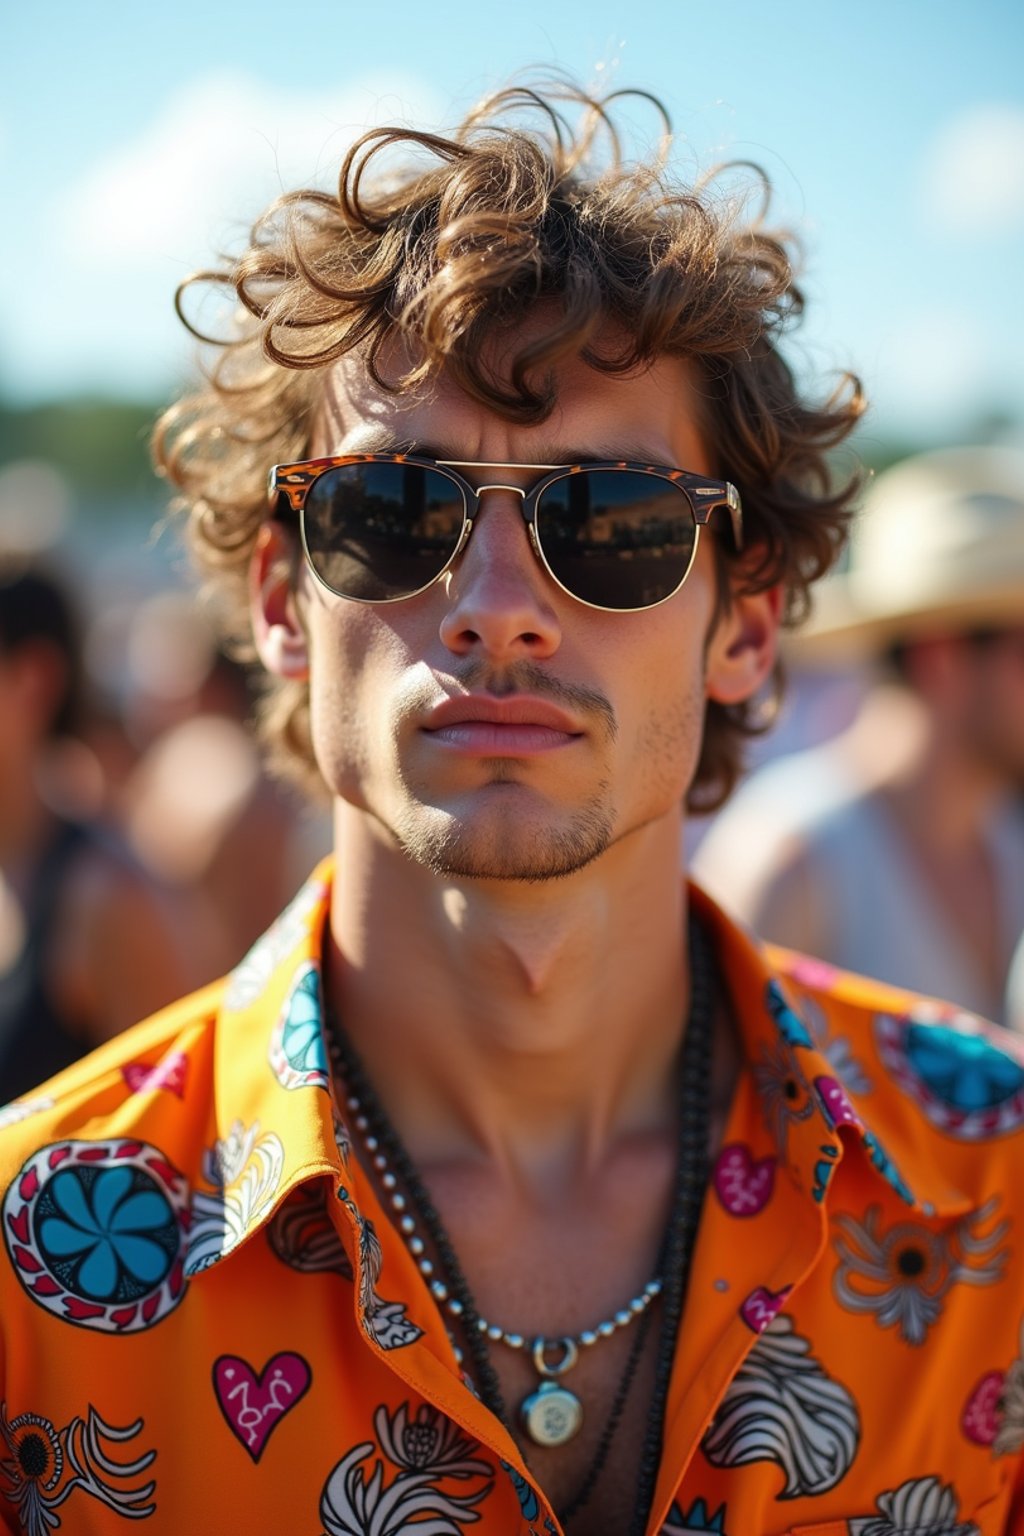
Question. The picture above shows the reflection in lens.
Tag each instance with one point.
(616, 538)
(381, 531)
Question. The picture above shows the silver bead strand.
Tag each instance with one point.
(406, 1224)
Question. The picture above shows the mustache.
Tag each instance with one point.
(479, 676)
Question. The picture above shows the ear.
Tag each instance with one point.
(277, 630)
(743, 646)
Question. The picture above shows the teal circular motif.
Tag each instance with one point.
(107, 1234)
(957, 1071)
(967, 1072)
(302, 1039)
(298, 1055)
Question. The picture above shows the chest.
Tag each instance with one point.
(301, 1413)
(596, 1480)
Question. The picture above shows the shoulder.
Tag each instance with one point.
(117, 1089)
(775, 863)
(941, 1088)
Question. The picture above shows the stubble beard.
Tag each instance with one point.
(509, 846)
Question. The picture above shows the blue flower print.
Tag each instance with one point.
(789, 1026)
(528, 1502)
(298, 1054)
(109, 1233)
(959, 1074)
(965, 1071)
(303, 1039)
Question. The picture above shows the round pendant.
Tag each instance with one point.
(551, 1415)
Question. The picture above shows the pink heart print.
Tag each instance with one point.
(762, 1306)
(254, 1404)
(168, 1073)
(980, 1418)
(743, 1183)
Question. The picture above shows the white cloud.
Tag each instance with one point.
(213, 156)
(972, 178)
(96, 307)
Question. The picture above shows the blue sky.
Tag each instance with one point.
(136, 139)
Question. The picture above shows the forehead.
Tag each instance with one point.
(656, 413)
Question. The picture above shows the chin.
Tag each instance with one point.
(505, 841)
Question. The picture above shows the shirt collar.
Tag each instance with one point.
(277, 1126)
(275, 1122)
(814, 1093)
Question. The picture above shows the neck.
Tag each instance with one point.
(536, 1024)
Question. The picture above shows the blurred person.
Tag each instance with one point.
(507, 1185)
(897, 850)
(88, 943)
(199, 808)
(1015, 989)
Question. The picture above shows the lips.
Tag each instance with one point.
(518, 726)
(521, 709)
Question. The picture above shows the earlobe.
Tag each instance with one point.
(742, 650)
(277, 630)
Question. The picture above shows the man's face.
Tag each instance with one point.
(995, 707)
(608, 707)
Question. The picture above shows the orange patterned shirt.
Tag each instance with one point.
(208, 1323)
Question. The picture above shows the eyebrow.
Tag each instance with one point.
(374, 439)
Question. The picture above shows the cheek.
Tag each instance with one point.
(662, 719)
(669, 737)
(354, 663)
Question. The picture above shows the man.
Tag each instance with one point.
(913, 868)
(88, 943)
(397, 1232)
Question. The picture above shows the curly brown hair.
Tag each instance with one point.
(466, 237)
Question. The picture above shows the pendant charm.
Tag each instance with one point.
(551, 1415)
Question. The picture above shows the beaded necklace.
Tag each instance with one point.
(551, 1415)
(393, 1165)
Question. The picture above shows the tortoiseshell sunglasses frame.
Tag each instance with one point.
(291, 483)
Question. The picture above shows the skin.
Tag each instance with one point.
(510, 927)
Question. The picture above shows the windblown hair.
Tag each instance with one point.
(463, 241)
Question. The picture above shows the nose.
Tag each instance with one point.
(499, 602)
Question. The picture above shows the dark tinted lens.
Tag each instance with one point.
(381, 531)
(615, 537)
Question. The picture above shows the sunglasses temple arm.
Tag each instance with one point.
(735, 509)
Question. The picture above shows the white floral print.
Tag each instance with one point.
(782, 1407)
(426, 1451)
(245, 1170)
(1010, 1433)
(249, 978)
(44, 1466)
(920, 1507)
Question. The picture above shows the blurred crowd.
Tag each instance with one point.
(893, 844)
(143, 848)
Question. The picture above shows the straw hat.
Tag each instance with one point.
(938, 547)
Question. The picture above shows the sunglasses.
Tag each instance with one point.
(381, 527)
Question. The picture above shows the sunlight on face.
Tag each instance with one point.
(619, 696)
